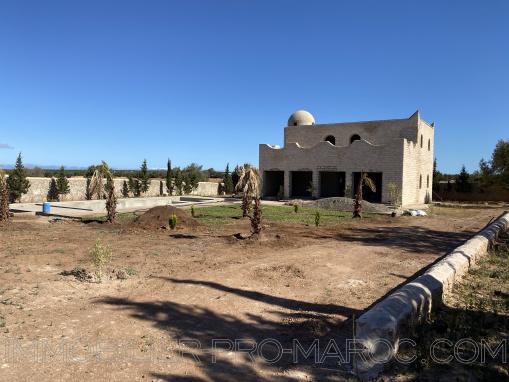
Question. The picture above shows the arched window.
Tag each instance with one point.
(355, 137)
(331, 139)
(421, 141)
(427, 181)
(429, 144)
(420, 182)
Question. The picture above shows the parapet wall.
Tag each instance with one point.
(39, 187)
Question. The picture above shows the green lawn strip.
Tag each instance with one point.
(229, 213)
(121, 217)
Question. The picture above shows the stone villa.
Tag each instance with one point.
(325, 160)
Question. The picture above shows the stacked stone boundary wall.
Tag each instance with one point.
(380, 328)
(39, 187)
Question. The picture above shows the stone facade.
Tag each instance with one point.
(38, 190)
(397, 152)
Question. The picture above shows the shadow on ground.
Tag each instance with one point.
(300, 325)
(412, 239)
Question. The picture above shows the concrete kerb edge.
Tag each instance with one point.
(394, 316)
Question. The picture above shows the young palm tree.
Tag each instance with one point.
(111, 201)
(249, 185)
(4, 198)
(256, 219)
(364, 180)
(97, 188)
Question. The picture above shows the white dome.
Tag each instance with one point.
(301, 118)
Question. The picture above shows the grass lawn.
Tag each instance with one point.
(228, 213)
(121, 217)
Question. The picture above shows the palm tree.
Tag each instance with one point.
(4, 197)
(249, 185)
(364, 180)
(98, 188)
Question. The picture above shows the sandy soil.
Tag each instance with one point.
(196, 285)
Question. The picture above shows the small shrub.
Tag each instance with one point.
(295, 208)
(101, 256)
(131, 271)
(317, 218)
(173, 221)
(193, 211)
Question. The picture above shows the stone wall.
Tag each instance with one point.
(379, 330)
(39, 189)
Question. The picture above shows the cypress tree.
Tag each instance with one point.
(52, 191)
(125, 190)
(179, 180)
(134, 186)
(227, 180)
(235, 176)
(62, 182)
(17, 181)
(169, 175)
(144, 177)
(463, 181)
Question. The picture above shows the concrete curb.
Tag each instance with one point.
(379, 329)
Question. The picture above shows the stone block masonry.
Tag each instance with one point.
(39, 187)
(396, 153)
(380, 329)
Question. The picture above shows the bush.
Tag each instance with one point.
(173, 221)
(101, 256)
(296, 208)
(317, 218)
(193, 212)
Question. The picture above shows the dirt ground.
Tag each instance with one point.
(184, 297)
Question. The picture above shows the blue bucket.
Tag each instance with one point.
(46, 208)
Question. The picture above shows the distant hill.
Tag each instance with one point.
(44, 167)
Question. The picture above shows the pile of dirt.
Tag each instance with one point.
(158, 217)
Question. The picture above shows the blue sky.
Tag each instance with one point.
(207, 81)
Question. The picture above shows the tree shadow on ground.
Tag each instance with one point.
(269, 299)
(301, 321)
(412, 239)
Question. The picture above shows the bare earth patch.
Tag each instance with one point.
(186, 288)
